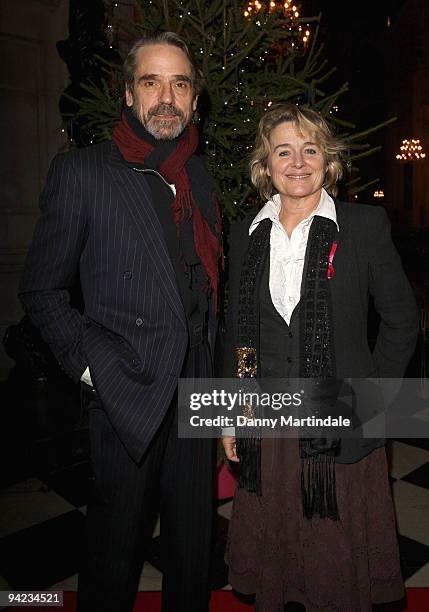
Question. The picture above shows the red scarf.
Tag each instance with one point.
(207, 241)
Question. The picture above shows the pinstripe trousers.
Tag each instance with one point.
(176, 477)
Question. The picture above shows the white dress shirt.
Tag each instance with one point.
(287, 254)
(86, 377)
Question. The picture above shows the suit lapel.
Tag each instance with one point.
(341, 261)
(344, 257)
(132, 189)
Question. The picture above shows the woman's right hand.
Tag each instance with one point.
(229, 447)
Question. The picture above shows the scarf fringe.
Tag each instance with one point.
(249, 449)
(318, 486)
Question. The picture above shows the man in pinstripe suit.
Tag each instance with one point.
(136, 220)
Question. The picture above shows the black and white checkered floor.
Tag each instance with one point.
(42, 522)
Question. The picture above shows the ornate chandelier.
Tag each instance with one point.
(411, 150)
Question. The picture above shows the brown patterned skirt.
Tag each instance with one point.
(328, 566)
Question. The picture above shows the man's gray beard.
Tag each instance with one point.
(156, 128)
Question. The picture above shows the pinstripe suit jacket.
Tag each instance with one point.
(98, 223)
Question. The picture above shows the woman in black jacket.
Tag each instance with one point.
(313, 519)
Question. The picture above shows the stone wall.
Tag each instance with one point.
(32, 77)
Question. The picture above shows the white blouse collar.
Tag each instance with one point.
(271, 210)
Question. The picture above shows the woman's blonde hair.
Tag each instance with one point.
(307, 121)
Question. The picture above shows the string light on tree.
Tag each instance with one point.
(111, 29)
(299, 36)
(411, 150)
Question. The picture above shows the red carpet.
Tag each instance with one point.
(224, 601)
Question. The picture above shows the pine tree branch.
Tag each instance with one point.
(365, 186)
(375, 128)
(365, 153)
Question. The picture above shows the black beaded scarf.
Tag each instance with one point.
(317, 361)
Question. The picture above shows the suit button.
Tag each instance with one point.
(290, 335)
(289, 359)
(136, 363)
(128, 275)
(139, 321)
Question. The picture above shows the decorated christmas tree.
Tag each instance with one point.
(252, 54)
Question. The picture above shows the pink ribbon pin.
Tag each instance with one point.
(331, 270)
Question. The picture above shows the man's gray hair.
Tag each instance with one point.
(161, 38)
